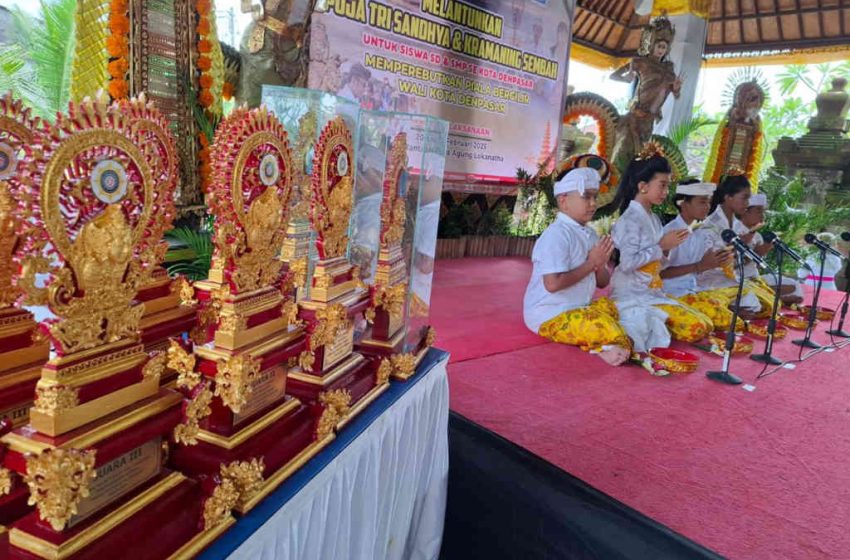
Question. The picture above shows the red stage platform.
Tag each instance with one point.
(748, 474)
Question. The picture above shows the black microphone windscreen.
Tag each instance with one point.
(810, 238)
(846, 236)
(768, 236)
(728, 235)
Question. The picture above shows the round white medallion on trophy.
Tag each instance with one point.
(342, 164)
(269, 170)
(8, 160)
(109, 181)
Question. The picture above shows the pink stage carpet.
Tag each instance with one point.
(749, 474)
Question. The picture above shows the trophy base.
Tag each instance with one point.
(17, 388)
(405, 373)
(284, 439)
(170, 507)
(355, 375)
(17, 327)
(373, 346)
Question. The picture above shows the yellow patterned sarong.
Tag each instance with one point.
(686, 323)
(763, 292)
(590, 328)
(653, 269)
(715, 305)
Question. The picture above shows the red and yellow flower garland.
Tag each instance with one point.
(117, 45)
(204, 46)
(716, 167)
(602, 145)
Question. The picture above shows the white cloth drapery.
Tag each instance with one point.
(383, 496)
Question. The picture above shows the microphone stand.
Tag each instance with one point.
(767, 357)
(813, 311)
(840, 332)
(724, 376)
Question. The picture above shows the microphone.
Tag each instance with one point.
(846, 236)
(812, 240)
(731, 238)
(770, 237)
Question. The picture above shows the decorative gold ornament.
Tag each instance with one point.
(370, 314)
(184, 364)
(218, 506)
(289, 311)
(430, 337)
(650, 150)
(233, 380)
(332, 189)
(58, 479)
(404, 365)
(307, 127)
(230, 322)
(185, 290)
(393, 209)
(391, 299)
(250, 155)
(337, 405)
(5, 481)
(166, 451)
(247, 476)
(384, 371)
(331, 320)
(155, 366)
(298, 269)
(197, 409)
(52, 399)
(17, 129)
(306, 360)
(114, 242)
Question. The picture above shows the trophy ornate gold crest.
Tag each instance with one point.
(96, 194)
(255, 435)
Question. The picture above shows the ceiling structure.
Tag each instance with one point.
(786, 30)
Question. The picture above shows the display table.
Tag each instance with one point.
(377, 491)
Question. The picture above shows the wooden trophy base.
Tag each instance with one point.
(82, 387)
(355, 375)
(284, 438)
(17, 388)
(19, 351)
(164, 518)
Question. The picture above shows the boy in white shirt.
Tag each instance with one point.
(570, 262)
(753, 218)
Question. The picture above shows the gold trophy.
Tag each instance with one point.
(256, 435)
(329, 369)
(96, 197)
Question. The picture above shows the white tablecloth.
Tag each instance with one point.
(382, 497)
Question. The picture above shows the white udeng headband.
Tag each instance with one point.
(579, 180)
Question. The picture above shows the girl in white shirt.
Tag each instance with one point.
(636, 284)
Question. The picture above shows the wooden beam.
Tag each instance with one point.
(800, 19)
(777, 45)
(841, 17)
(776, 12)
(778, 20)
(820, 21)
(741, 20)
(758, 20)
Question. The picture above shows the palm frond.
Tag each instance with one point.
(201, 246)
(16, 76)
(681, 132)
(49, 46)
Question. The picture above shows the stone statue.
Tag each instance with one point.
(273, 48)
(739, 142)
(656, 80)
(832, 108)
(822, 155)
